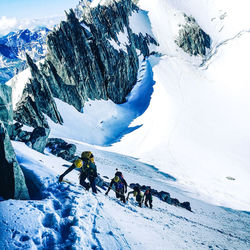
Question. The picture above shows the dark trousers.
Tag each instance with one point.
(91, 183)
(120, 194)
(150, 202)
(139, 200)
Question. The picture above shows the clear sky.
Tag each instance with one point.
(22, 14)
(35, 8)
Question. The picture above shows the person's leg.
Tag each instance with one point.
(146, 202)
(150, 203)
(139, 200)
(83, 182)
(123, 196)
(123, 199)
(92, 184)
(120, 195)
(117, 193)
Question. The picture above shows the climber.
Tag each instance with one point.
(148, 197)
(88, 170)
(120, 186)
(137, 194)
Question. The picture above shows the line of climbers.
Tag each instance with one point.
(118, 184)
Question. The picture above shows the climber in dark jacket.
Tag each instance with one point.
(148, 197)
(137, 194)
(120, 186)
(88, 170)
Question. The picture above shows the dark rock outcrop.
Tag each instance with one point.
(62, 149)
(39, 138)
(192, 39)
(82, 63)
(12, 182)
(6, 112)
(17, 128)
(36, 101)
(164, 196)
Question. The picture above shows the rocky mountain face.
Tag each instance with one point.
(12, 182)
(6, 112)
(93, 57)
(14, 46)
(192, 39)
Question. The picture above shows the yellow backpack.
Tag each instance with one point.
(78, 163)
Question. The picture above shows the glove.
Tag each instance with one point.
(60, 178)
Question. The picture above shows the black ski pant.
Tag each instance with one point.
(150, 202)
(91, 183)
(139, 200)
(120, 194)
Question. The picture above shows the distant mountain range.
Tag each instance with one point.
(14, 46)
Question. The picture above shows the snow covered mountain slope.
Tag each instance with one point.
(197, 123)
(65, 216)
(14, 46)
(196, 126)
(186, 116)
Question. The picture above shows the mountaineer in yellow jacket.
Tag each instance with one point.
(88, 170)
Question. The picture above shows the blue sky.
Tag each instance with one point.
(35, 8)
(22, 14)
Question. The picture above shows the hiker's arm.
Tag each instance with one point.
(110, 186)
(129, 193)
(66, 172)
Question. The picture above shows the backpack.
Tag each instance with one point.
(148, 194)
(90, 168)
(120, 184)
(119, 174)
(136, 189)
